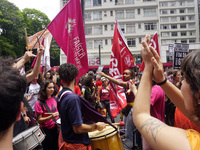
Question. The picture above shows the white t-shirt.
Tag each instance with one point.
(33, 88)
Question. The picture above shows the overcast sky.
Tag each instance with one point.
(49, 7)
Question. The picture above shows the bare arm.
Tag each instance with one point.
(158, 135)
(37, 66)
(84, 128)
(24, 59)
(170, 90)
(44, 119)
(120, 83)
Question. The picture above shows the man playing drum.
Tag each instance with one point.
(12, 89)
(74, 131)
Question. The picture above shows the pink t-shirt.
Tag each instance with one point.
(51, 102)
(158, 103)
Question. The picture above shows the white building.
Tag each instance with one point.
(176, 21)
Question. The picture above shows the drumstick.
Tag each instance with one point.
(121, 123)
(48, 113)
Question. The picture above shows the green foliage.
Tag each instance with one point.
(34, 20)
(11, 30)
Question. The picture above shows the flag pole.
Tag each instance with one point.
(38, 39)
(26, 40)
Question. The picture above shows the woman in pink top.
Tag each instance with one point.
(47, 121)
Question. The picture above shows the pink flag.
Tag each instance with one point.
(68, 31)
(45, 59)
(121, 59)
(154, 43)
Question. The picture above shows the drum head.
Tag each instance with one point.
(105, 133)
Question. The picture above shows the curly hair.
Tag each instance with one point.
(42, 95)
(191, 71)
(87, 81)
(12, 89)
(68, 72)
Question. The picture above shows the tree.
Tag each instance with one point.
(11, 30)
(34, 20)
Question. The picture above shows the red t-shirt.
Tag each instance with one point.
(77, 90)
(104, 94)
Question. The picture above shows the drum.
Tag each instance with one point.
(28, 139)
(107, 139)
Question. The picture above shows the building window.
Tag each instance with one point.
(173, 19)
(182, 3)
(189, 3)
(183, 41)
(111, 41)
(88, 16)
(96, 2)
(164, 4)
(164, 12)
(149, 12)
(97, 15)
(106, 42)
(98, 30)
(139, 25)
(122, 28)
(174, 33)
(191, 25)
(172, 3)
(130, 14)
(89, 44)
(182, 18)
(105, 27)
(150, 26)
(88, 30)
(183, 33)
(140, 40)
(111, 27)
(192, 33)
(164, 26)
(138, 11)
(104, 1)
(87, 3)
(110, 0)
(182, 26)
(65, 2)
(192, 41)
(172, 11)
(97, 43)
(164, 19)
(182, 11)
(111, 13)
(131, 42)
(119, 2)
(119, 14)
(129, 1)
(174, 26)
(105, 13)
(190, 18)
(130, 28)
(190, 10)
(165, 34)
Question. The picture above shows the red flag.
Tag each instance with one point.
(155, 45)
(121, 59)
(68, 31)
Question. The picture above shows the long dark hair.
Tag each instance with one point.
(42, 95)
(191, 71)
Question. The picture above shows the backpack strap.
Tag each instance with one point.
(65, 93)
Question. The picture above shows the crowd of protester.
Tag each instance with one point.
(158, 99)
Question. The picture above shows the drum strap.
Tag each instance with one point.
(30, 110)
(47, 108)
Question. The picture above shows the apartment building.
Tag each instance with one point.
(176, 21)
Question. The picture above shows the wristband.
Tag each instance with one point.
(24, 115)
(161, 83)
(91, 127)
